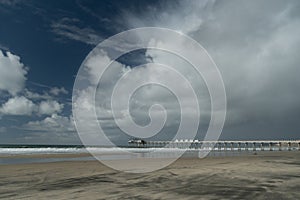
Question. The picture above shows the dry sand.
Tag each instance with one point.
(267, 175)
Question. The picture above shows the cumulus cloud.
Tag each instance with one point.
(49, 107)
(21, 105)
(21, 100)
(53, 124)
(18, 106)
(12, 73)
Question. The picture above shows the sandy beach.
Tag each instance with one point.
(266, 175)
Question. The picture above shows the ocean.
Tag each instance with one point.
(20, 154)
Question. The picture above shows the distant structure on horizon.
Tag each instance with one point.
(254, 145)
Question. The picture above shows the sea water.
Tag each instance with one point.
(16, 154)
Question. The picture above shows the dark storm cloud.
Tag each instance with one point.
(255, 45)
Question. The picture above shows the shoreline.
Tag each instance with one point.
(218, 155)
(76, 154)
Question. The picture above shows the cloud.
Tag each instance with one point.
(53, 124)
(142, 100)
(70, 28)
(18, 106)
(255, 46)
(256, 53)
(12, 73)
(3, 47)
(21, 100)
(17, 99)
(21, 105)
(182, 16)
(3, 129)
(57, 91)
(49, 107)
(254, 43)
(36, 96)
(10, 2)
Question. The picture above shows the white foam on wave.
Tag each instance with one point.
(43, 150)
(57, 150)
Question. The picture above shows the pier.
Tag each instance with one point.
(251, 145)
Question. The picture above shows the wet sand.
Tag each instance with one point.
(267, 175)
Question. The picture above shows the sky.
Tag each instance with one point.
(255, 45)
